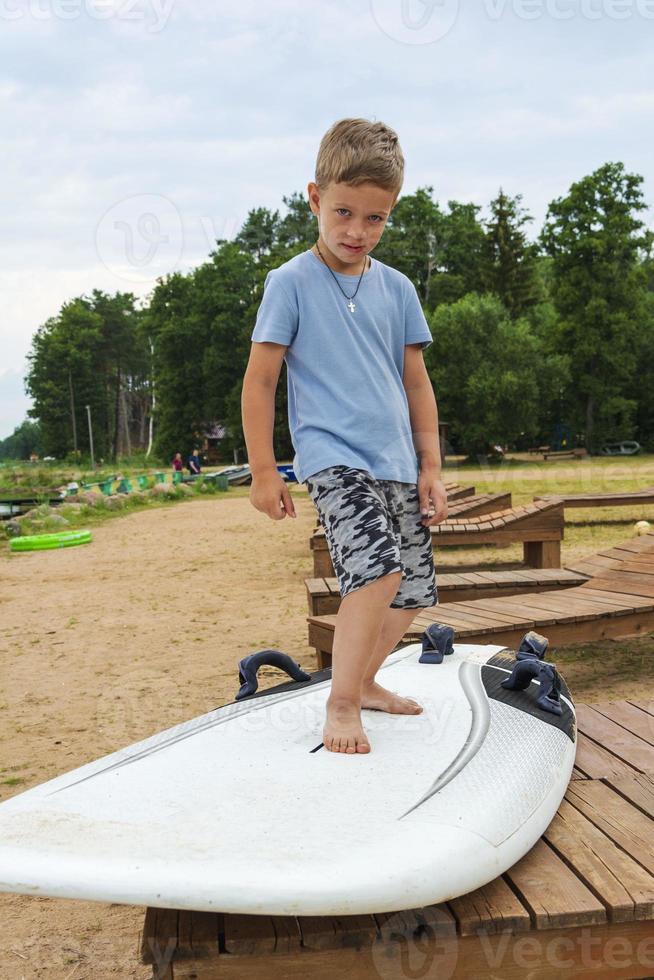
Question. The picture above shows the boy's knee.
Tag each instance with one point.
(389, 583)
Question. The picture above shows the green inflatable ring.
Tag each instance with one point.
(41, 542)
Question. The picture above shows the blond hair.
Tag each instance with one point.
(356, 151)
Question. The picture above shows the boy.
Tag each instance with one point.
(362, 415)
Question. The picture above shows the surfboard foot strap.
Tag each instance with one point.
(437, 642)
(549, 691)
(248, 667)
(532, 645)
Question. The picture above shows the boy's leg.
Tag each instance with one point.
(358, 625)
(417, 591)
(394, 626)
(365, 550)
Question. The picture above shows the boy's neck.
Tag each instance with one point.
(330, 260)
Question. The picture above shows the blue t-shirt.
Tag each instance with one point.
(346, 401)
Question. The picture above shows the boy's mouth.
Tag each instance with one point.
(353, 248)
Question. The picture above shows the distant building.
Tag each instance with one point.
(210, 441)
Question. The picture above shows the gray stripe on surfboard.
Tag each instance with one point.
(471, 683)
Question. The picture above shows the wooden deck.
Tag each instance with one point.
(607, 499)
(617, 601)
(324, 597)
(580, 904)
(539, 526)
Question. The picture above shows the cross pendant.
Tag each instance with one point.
(351, 306)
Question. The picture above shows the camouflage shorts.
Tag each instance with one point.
(373, 528)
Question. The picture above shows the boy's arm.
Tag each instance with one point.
(424, 426)
(269, 492)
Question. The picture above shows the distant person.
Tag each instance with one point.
(193, 464)
(178, 464)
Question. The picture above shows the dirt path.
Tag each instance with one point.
(106, 644)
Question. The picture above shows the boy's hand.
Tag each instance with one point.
(433, 498)
(269, 493)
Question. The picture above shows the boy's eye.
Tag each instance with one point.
(377, 217)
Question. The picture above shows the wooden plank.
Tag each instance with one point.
(564, 608)
(249, 934)
(451, 616)
(638, 790)
(611, 603)
(602, 952)
(600, 604)
(491, 909)
(647, 706)
(616, 817)
(629, 716)
(484, 615)
(626, 585)
(629, 747)
(596, 762)
(407, 924)
(513, 610)
(626, 889)
(616, 599)
(287, 933)
(336, 932)
(517, 609)
(552, 893)
(159, 940)
(480, 578)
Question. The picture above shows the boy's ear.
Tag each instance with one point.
(312, 191)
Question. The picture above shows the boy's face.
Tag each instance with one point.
(351, 216)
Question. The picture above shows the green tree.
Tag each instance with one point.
(24, 440)
(596, 241)
(441, 252)
(510, 262)
(198, 325)
(490, 373)
(61, 378)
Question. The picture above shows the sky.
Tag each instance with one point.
(134, 134)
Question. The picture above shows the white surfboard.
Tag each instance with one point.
(241, 810)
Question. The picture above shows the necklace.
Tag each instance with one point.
(350, 305)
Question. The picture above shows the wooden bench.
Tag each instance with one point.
(579, 904)
(617, 600)
(323, 594)
(456, 492)
(479, 503)
(539, 526)
(608, 499)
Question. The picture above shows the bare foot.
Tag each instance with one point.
(343, 731)
(379, 699)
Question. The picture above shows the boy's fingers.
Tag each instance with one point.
(287, 503)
